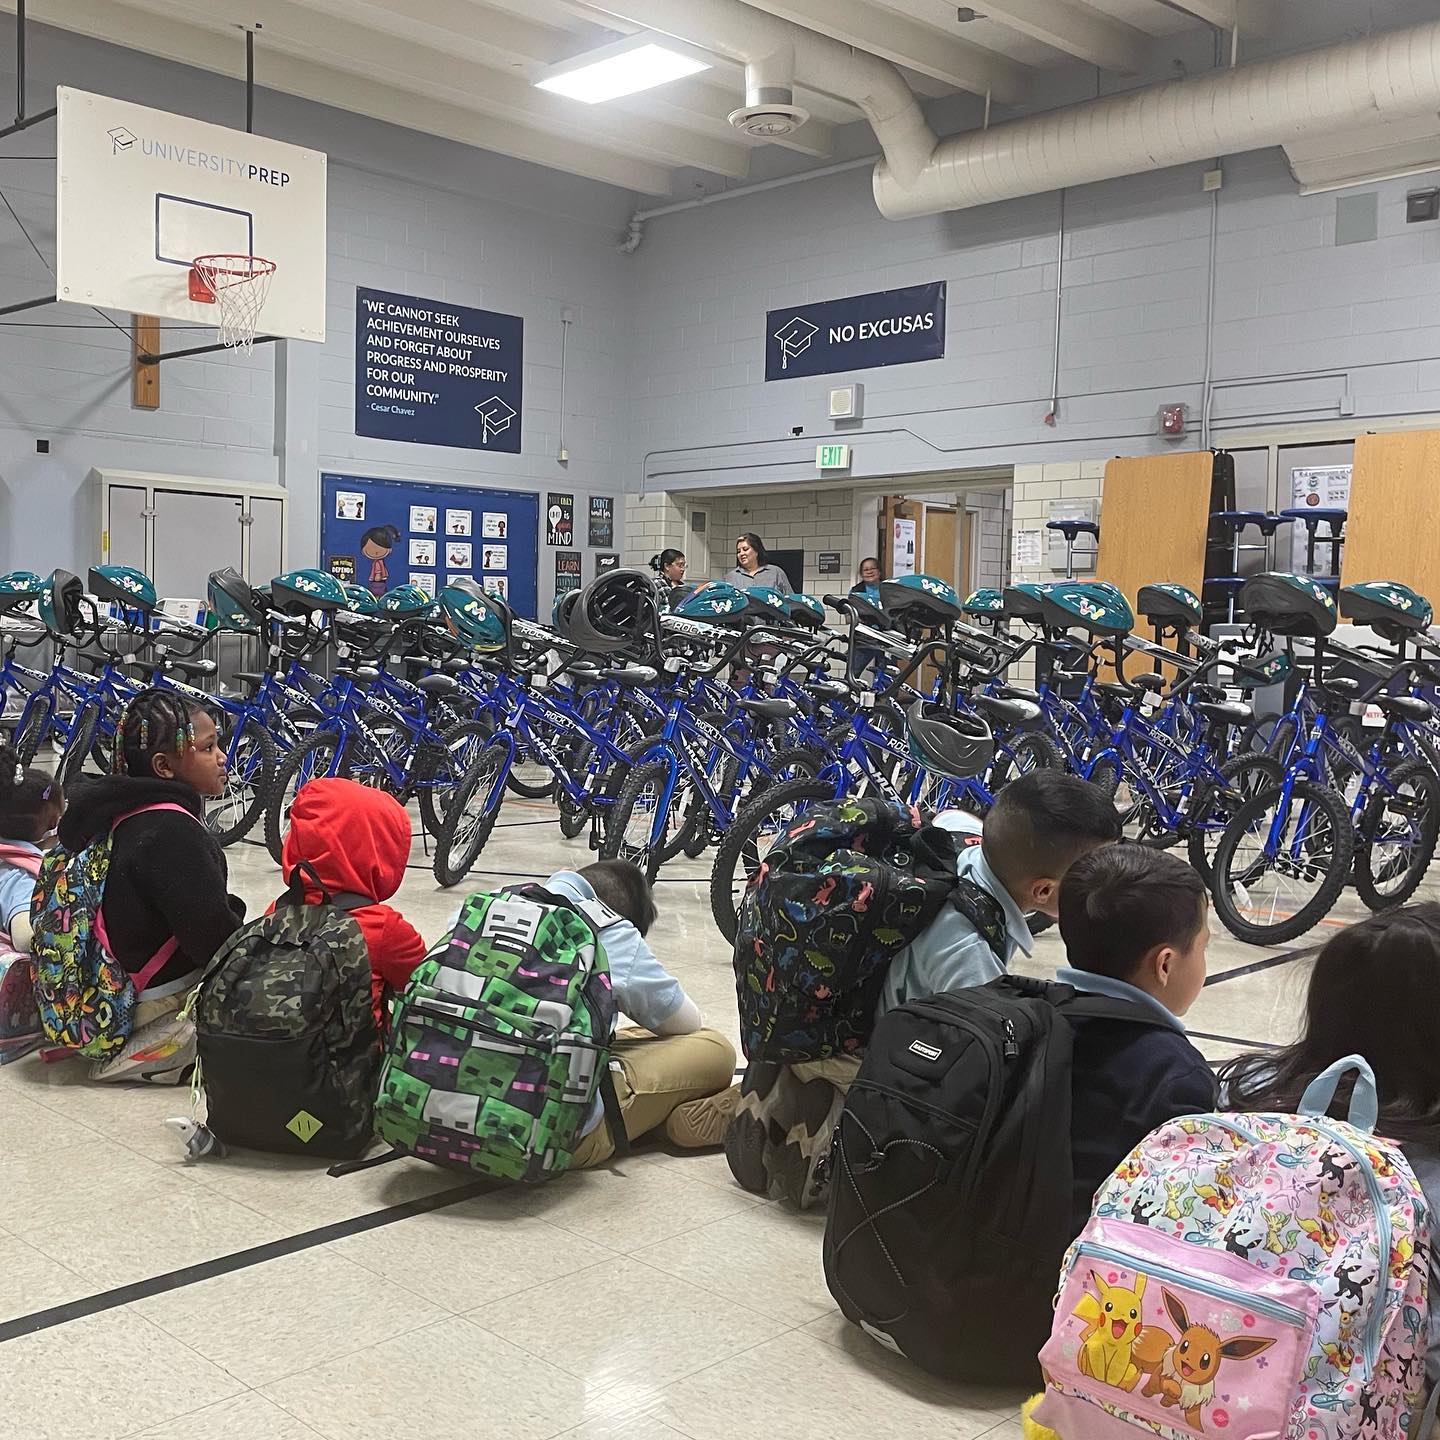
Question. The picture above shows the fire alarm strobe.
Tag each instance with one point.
(1172, 420)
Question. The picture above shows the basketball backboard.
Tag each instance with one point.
(141, 193)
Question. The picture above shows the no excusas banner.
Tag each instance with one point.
(437, 374)
(888, 327)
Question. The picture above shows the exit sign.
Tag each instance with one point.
(832, 457)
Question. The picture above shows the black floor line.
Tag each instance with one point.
(240, 1260)
(1268, 963)
(1232, 1040)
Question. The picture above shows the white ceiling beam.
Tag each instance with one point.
(1214, 12)
(291, 30)
(205, 49)
(1074, 30)
(904, 41)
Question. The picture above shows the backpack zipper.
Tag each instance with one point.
(1261, 1304)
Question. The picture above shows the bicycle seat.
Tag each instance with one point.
(780, 709)
(633, 675)
(134, 667)
(252, 678)
(1006, 712)
(438, 685)
(191, 669)
(1230, 712)
(1148, 681)
(1115, 690)
(1018, 692)
(1071, 528)
(1342, 687)
(1406, 707)
(1060, 674)
(828, 689)
(95, 662)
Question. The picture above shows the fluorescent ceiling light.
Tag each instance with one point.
(640, 62)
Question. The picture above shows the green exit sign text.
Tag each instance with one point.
(832, 457)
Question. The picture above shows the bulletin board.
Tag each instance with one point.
(384, 533)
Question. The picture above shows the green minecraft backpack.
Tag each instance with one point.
(500, 1042)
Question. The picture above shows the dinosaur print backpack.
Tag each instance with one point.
(842, 892)
(1248, 1276)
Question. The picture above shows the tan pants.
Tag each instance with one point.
(657, 1074)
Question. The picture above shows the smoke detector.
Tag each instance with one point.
(769, 120)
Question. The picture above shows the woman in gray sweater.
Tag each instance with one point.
(752, 570)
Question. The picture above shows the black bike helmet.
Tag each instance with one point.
(1166, 603)
(958, 746)
(1288, 604)
(615, 612)
(1025, 600)
(59, 603)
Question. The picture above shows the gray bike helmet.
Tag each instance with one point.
(958, 746)
(615, 612)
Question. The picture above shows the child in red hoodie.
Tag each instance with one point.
(358, 841)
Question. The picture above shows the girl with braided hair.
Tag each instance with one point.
(167, 880)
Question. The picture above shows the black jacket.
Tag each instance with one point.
(167, 874)
(1125, 1080)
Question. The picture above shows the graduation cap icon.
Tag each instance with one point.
(795, 336)
(495, 416)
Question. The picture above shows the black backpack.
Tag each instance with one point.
(847, 887)
(951, 1180)
(289, 1049)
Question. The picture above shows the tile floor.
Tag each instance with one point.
(649, 1300)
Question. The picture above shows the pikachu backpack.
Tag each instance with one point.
(1248, 1276)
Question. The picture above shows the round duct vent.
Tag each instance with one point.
(770, 120)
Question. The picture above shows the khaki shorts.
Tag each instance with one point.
(658, 1073)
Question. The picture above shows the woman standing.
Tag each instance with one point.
(751, 568)
(867, 582)
(669, 565)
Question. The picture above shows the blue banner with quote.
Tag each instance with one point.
(434, 373)
(859, 332)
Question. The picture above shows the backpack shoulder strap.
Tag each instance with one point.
(21, 858)
(984, 912)
(148, 809)
(1103, 1007)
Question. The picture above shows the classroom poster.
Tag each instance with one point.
(457, 522)
(422, 552)
(497, 585)
(492, 526)
(457, 554)
(602, 521)
(422, 519)
(349, 505)
(425, 580)
(560, 519)
(902, 554)
(493, 557)
(606, 562)
(567, 571)
(342, 567)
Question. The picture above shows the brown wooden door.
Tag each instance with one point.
(941, 528)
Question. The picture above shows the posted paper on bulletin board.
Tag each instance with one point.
(1316, 487)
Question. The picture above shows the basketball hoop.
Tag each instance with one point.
(238, 284)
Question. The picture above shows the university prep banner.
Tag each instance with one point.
(437, 374)
(888, 327)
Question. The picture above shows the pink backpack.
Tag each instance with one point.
(19, 1019)
(1247, 1277)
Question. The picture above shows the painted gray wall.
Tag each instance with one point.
(407, 212)
(1303, 327)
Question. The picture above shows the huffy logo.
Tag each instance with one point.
(120, 139)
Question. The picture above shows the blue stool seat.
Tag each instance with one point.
(1225, 582)
(1313, 514)
(1239, 518)
(1072, 528)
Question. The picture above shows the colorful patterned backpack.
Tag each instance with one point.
(847, 887)
(289, 1051)
(1248, 1276)
(500, 1042)
(85, 997)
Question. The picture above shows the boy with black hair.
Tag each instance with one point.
(669, 1064)
(1135, 923)
(1040, 825)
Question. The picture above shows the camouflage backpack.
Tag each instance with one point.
(289, 1050)
(500, 1042)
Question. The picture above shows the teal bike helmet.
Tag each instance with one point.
(232, 601)
(1093, 605)
(59, 603)
(718, 602)
(1024, 600)
(923, 600)
(18, 588)
(359, 599)
(406, 602)
(806, 610)
(123, 585)
(984, 603)
(1391, 609)
(478, 619)
(1287, 604)
(1166, 603)
(302, 590)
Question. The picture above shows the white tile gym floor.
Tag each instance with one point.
(647, 1300)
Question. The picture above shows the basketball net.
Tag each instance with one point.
(237, 285)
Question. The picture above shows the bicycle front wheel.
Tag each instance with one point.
(1395, 839)
(77, 747)
(324, 754)
(249, 777)
(1281, 864)
(471, 811)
